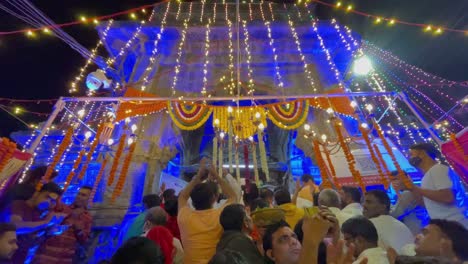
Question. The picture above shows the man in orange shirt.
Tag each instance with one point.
(308, 190)
(200, 229)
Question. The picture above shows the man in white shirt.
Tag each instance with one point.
(440, 188)
(392, 233)
(331, 199)
(351, 200)
(360, 232)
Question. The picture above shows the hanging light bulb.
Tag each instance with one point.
(81, 113)
(251, 138)
(127, 120)
(324, 138)
(369, 107)
(229, 109)
(330, 111)
(306, 127)
(261, 126)
(353, 104)
(365, 125)
(221, 135)
(110, 142)
(130, 141)
(216, 122)
(257, 115)
(87, 135)
(134, 128)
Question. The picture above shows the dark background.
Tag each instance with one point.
(44, 67)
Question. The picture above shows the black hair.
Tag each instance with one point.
(266, 193)
(322, 250)
(282, 196)
(151, 200)
(316, 195)
(430, 149)
(171, 207)
(228, 256)
(457, 233)
(268, 236)
(169, 194)
(52, 187)
(87, 187)
(202, 195)
(253, 193)
(422, 260)
(232, 217)
(258, 203)
(354, 192)
(6, 227)
(138, 250)
(36, 174)
(307, 178)
(360, 226)
(382, 197)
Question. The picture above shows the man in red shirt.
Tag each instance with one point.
(33, 215)
(62, 248)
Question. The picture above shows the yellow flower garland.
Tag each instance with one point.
(326, 184)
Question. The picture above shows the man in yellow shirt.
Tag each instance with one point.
(200, 229)
(309, 189)
(292, 213)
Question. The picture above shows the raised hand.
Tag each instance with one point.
(315, 228)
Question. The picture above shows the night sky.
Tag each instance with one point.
(43, 68)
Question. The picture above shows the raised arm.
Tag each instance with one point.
(184, 195)
(225, 186)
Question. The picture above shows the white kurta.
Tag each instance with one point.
(392, 233)
(353, 209)
(374, 256)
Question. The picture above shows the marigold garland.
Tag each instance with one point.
(243, 119)
(118, 154)
(89, 156)
(458, 146)
(332, 168)
(255, 164)
(263, 155)
(188, 116)
(321, 164)
(401, 173)
(123, 173)
(76, 164)
(289, 115)
(381, 160)
(98, 180)
(230, 141)
(236, 160)
(365, 136)
(349, 157)
(215, 150)
(67, 139)
(6, 153)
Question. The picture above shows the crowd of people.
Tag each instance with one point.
(214, 220)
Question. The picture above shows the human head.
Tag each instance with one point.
(82, 198)
(258, 203)
(443, 238)
(376, 203)
(281, 244)
(8, 242)
(164, 239)
(322, 250)
(307, 179)
(204, 195)
(169, 194)
(422, 153)
(35, 175)
(171, 207)
(151, 200)
(361, 232)
(329, 198)
(228, 256)
(267, 195)
(282, 196)
(155, 216)
(47, 197)
(138, 250)
(251, 195)
(234, 218)
(350, 195)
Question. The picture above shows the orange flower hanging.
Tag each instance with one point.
(7, 153)
(332, 168)
(401, 173)
(381, 160)
(458, 146)
(89, 156)
(115, 164)
(98, 180)
(123, 173)
(76, 164)
(321, 164)
(61, 149)
(365, 135)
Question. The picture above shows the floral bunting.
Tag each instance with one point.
(245, 120)
(289, 115)
(188, 116)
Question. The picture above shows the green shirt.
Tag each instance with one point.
(136, 227)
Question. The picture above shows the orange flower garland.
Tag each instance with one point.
(332, 168)
(115, 164)
(123, 173)
(458, 146)
(89, 156)
(349, 157)
(322, 166)
(98, 180)
(365, 135)
(74, 168)
(7, 153)
(381, 160)
(401, 173)
(61, 149)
